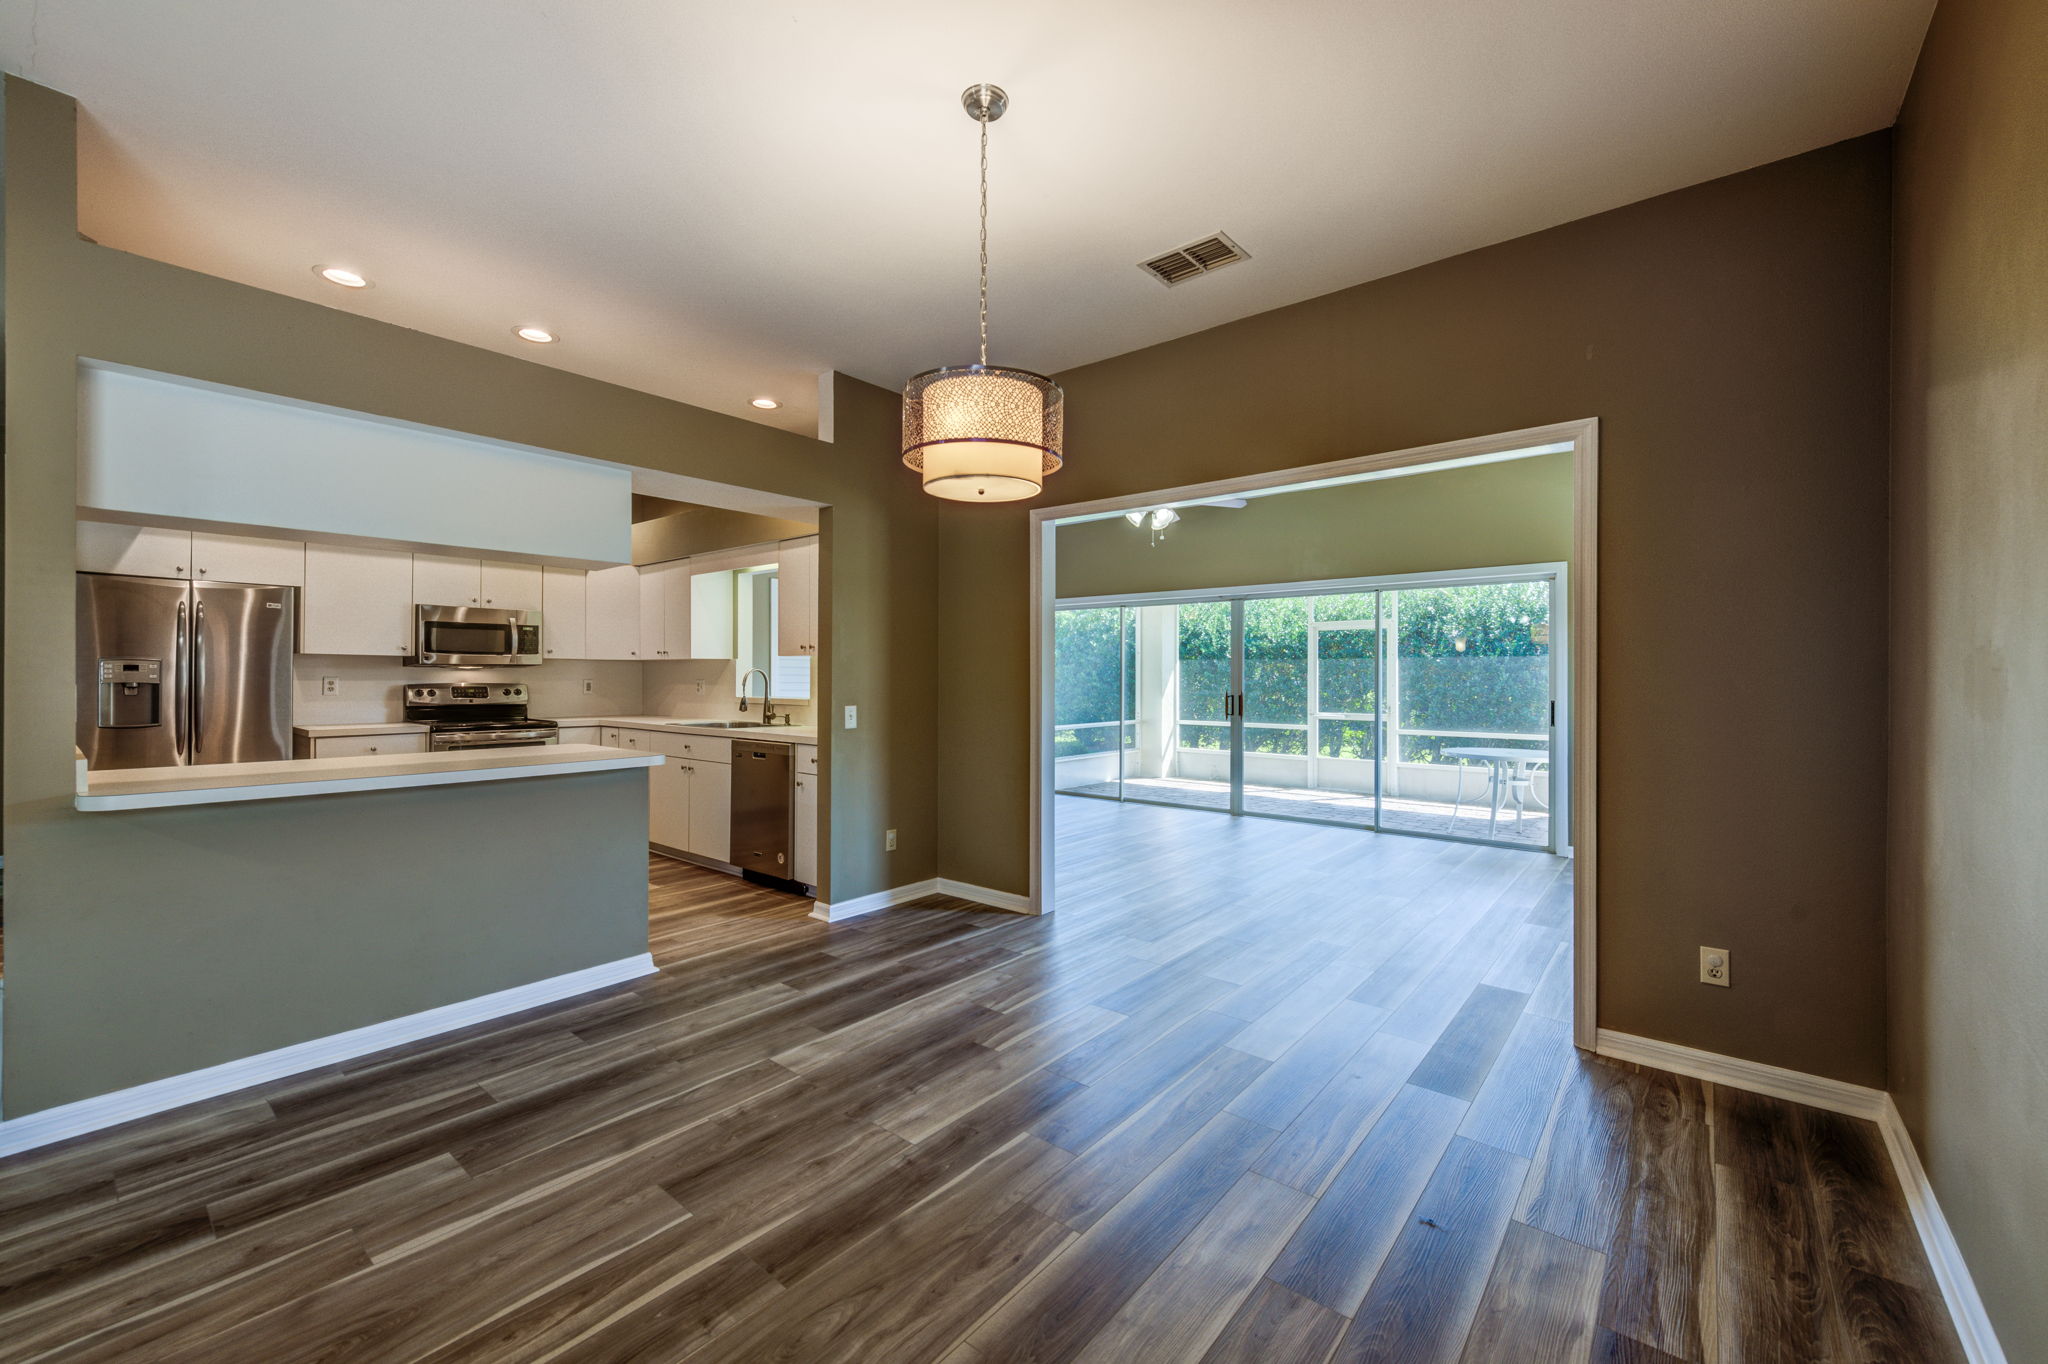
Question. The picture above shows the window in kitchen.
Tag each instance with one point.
(760, 597)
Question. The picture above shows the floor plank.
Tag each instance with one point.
(1260, 1091)
(1538, 1305)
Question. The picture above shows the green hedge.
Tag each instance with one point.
(1472, 658)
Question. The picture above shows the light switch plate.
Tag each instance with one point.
(853, 717)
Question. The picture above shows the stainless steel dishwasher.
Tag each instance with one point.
(762, 795)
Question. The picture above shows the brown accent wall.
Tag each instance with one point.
(67, 298)
(1731, 339)
(1968, 930)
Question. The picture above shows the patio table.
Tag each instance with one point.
(1505, 767)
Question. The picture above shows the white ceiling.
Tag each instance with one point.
(715, 201)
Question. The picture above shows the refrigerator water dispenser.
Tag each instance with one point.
(131, 692)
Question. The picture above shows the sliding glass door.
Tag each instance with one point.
(1471, 716)
(1094, 682)
(1418, 706)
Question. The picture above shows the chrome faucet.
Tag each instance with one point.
(767, 706)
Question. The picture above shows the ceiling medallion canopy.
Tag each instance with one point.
(982, 432)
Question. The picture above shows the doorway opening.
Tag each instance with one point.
(1438, 691)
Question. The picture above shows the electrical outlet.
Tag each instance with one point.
(330, 686)
(1714, 966)
(889, 841)
(589, 686)
(853, 717)
(700, 687)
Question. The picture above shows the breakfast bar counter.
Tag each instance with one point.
(144, 788)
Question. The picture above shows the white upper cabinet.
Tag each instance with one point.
(357, 601)
(665, 610)
(162, 552)
(512, 587)
(651, 594)
(564, 627)
(443, 580)
(140, 551)
(612, 618)
(712, 628)
(248, 559)
(796, 623)
(676, 610)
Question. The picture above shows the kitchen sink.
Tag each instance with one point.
(728, 724)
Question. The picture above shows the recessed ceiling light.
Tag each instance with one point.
(537, 335)
(347, 279)
(766, 404)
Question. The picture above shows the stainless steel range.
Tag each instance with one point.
(460, 716)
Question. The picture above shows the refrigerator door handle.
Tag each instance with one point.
(181, 703)
(198, 675)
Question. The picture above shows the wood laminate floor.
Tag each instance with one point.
(1259, 1092)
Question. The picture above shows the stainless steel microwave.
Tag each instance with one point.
(474, 637)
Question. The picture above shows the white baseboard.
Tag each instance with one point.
(917, 890)
(1958, 1289)
(1837, 1096)
(840, 910)
(982, 895)
(175, 1091)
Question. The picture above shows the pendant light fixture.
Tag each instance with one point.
(981, 432)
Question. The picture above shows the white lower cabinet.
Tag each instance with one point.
(806, 815)
(361, 745)
(690, 809)
(668, 805)
(710, 810)
(576, 734)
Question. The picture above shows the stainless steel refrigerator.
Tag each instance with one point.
(174, 673)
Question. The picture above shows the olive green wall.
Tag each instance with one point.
(210, 938)
(67, 298)
(1968, 932)
(1487, 516)
(1731, 339)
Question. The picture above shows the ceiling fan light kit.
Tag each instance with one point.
(982, 432)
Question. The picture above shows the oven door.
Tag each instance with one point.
(475, 637)
(464, 741)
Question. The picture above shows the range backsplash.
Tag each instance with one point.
(371, 690)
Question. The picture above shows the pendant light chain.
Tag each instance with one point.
(984, 243)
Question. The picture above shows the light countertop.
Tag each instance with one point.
(337, 731)
(142, 788)
(789, 734)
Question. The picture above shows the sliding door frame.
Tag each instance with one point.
(1556, 575)
(1578, 701)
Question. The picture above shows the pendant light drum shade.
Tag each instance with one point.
(983, 433)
